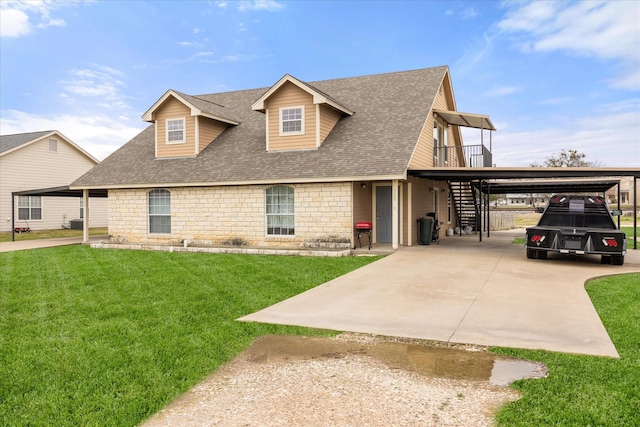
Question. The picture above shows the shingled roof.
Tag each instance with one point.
(376, 142)
(9, 142)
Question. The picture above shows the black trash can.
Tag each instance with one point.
(425, 228)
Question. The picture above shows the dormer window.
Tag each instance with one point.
(292, 121)
(175, 131)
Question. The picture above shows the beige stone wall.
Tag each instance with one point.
(235, 215)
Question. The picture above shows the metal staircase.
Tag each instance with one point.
(465, 201)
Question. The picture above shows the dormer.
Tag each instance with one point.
(298, 116)
(185, 125)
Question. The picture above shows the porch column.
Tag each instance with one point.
(394, 214)
(85, 222)
(409, 214)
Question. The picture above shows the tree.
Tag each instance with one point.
(567, 159)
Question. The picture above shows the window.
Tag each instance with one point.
(440, 144)
(280, 218)
(292, 121)
(53, 145)
(175, 131)
(160, 212)
(81, 209)
(30, 207)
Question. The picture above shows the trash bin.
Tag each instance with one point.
(425, 228)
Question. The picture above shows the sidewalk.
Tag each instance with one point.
(46, 243)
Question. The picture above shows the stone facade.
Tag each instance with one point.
(236, 216)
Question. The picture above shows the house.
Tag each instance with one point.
(527, 200)
(293, 165)
(626, 191)
(42, 160)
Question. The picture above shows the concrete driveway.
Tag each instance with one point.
(463, 291)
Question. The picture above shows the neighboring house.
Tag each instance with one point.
(293, 165)
(37, 160)
(627, 192)
(526, 200)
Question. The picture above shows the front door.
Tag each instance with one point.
(383, 215)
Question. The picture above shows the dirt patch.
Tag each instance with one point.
(350, 380)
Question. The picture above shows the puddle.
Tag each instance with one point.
(442, 362)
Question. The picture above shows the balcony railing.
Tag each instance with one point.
(470, 156)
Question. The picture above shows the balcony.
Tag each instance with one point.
(467, 156)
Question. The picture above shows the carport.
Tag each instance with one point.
(62, 191)
(487, 181)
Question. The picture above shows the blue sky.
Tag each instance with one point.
(551, 75)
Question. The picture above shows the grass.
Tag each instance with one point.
(587, 390)
(51, 234)
(108, 337)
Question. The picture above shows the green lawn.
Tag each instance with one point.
(586, 390)
(108, 337)
(92, 337)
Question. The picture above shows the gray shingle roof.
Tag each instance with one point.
(378, 140)
(9, 142)
(209, 107)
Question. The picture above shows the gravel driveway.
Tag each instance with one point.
(350, 380)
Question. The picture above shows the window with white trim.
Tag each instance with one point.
(175, 131)
(81, 200)
(292, 121)
(440, 143)
(280, 212)
(160, 211)
(29, 207)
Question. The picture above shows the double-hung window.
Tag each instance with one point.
(30, 207)
(175, 131)
(280, 212)
(440, 144)
(159, 212)
(292, 121)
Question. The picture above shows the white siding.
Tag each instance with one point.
(33, 167)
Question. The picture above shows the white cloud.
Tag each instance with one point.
(101, 82)
(13, 23)
(53, 23)
(99, 135)
(17, 15)
(268, 5)
(481, 49)
(502, 91)
(468, 13)
(607, 30)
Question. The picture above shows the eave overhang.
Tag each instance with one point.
(318, 97)
(195, 111)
